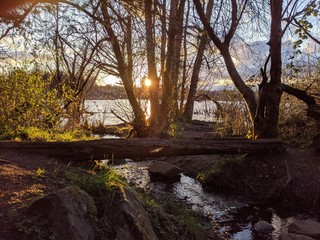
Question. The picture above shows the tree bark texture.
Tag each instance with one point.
(125, 72)
(169, 103)
(142, 148)
(152, 69)
(267, 116)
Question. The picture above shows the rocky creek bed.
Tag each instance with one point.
(233, 216)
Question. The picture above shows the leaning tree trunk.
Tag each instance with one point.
(125, 72)
(267, 117)
(224, 48)
(188, 112)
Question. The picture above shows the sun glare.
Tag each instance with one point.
(147, 82)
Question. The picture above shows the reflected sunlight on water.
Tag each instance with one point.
(99, 111)
(231, 213)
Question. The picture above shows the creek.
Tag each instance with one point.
(229, 213)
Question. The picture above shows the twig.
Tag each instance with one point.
(117, 116)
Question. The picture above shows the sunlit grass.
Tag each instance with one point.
(96, 181)
(41, 135)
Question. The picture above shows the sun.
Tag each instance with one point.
(147, 82)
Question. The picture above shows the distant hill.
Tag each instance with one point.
(107, 92)
(111, 92)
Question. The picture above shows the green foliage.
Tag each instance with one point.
(295, 127)
(96, 181)
(250, 135)
(26, 101)
(175, 129)
(305, 25)
(224, 174)
(151, 202)
(40, 172)
(35, 134)
(186, 217)
(32, 109)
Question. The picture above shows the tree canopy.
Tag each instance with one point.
(181, 46)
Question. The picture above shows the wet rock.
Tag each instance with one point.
(263, 227)
(164, 171)
(291, 236)
(307, 227)
(69, 212)
(129, 219)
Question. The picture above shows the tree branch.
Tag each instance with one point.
(206, 24)
(18, 21)
(298, 93)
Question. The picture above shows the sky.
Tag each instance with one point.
(248, 58)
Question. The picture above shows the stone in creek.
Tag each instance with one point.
(164, 171)
(291, 236)
(307, 227)
(263, 227)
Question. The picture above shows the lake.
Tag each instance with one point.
(100, 111)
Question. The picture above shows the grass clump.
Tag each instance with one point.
(225, 175)
(172, 220)
(186, 217)
(97, 181)
(35, 134)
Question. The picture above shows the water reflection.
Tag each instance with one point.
(217, 207)
(229, 212)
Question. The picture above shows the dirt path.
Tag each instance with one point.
(23, 178)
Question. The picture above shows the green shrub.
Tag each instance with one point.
(296, 128)
(32, 107)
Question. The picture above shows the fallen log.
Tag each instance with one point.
(142, 148)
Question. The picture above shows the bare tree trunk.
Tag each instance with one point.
(152, 71)
(188, 112)
(142, 148)
(185, 57)
(266, 120)
(163, 20)
(169, 105)
(224, 48)
(125, 73)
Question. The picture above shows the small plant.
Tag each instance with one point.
(187, 218)
(40, 172)
(250, 135)
(175, 129)
(225, 174)
(97, 180)
(151, 202)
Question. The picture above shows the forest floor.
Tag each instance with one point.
(25, 177)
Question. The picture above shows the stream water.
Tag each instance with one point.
(230, 213)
